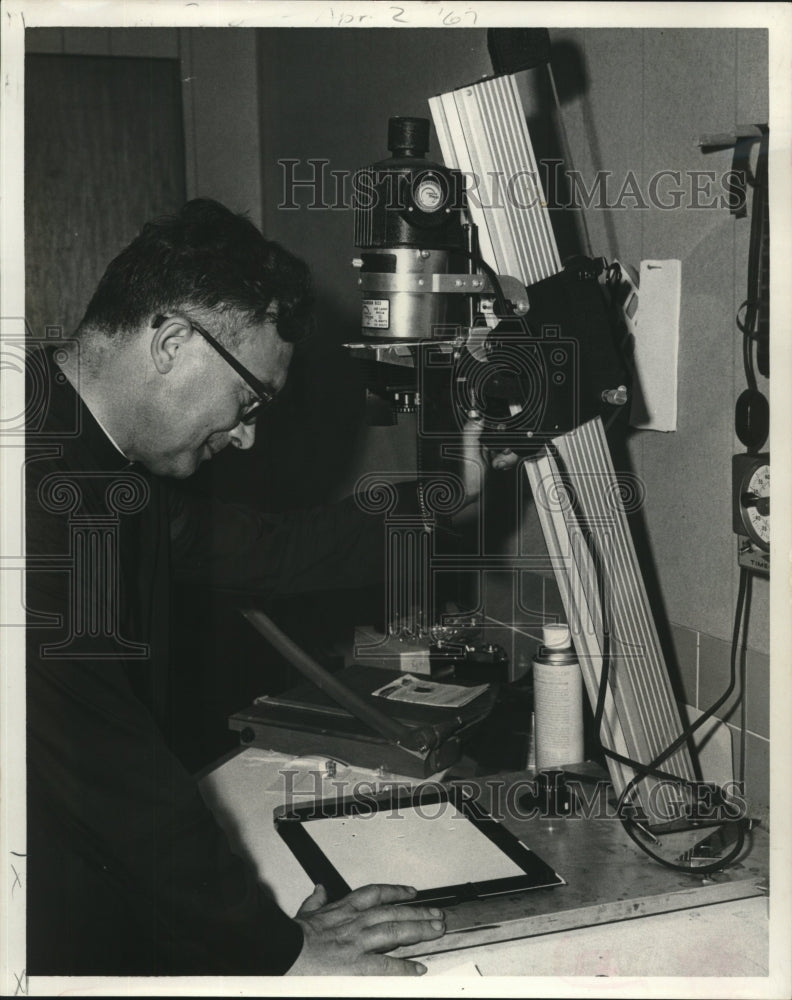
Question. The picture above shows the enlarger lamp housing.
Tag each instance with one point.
(408, 223)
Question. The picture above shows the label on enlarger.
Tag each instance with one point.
(376, 313)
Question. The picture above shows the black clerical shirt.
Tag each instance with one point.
(128, 873)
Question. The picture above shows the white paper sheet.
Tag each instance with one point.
(421, 691)
(428, 846)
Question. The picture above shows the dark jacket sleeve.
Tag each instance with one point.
(128, 871)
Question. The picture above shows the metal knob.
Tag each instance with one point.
(616, 397)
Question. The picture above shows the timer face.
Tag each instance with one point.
(756, 516)
(751, 486)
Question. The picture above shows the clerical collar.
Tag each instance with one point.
(95, 416)
(106, 432)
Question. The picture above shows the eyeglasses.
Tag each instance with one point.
(264, 396)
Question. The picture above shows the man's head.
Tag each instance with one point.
(189, 331)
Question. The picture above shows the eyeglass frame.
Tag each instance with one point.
(264, 396)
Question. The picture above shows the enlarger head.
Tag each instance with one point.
(444, 331)
(408, 223)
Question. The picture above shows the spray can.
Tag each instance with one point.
(558, 700)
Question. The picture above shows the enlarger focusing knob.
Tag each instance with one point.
(408, 136)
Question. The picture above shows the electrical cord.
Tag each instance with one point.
(748, 324)
(743, 685)
(628, 795)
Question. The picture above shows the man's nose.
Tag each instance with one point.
(243, 435)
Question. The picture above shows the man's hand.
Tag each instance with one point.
(477, 458)
(348, 938)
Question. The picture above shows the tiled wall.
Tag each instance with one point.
(703, 665)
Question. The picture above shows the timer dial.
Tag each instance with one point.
(752, 497)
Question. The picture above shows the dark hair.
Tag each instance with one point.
(203, 257)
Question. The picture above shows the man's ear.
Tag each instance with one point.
(166, 341)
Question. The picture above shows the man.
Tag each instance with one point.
(189, 334)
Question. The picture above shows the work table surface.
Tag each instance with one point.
(610, 882)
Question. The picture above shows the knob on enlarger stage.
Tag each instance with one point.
(408, 136)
